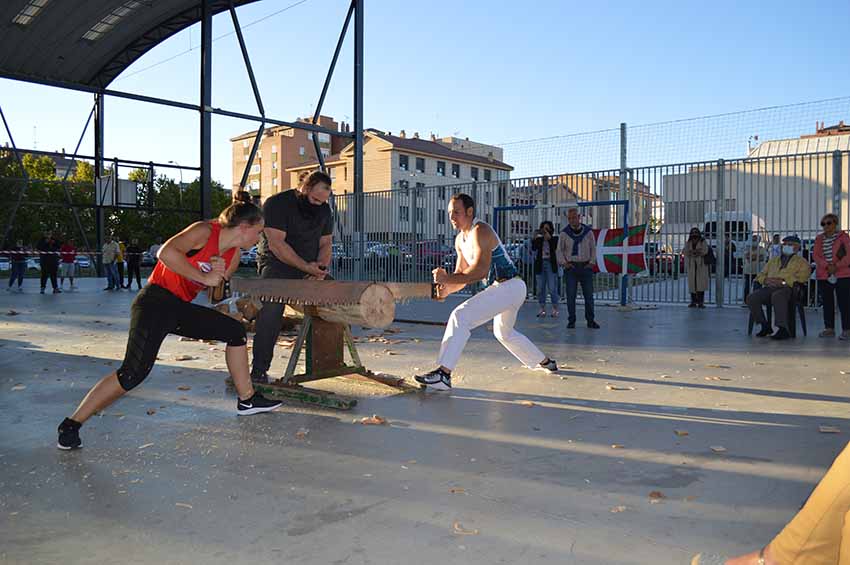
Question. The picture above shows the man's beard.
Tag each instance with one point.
(308, 208)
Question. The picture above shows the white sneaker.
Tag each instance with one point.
(549, 367)
(437, 380)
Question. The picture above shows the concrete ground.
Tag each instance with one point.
(513, 467)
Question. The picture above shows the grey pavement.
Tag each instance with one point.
(514, 466)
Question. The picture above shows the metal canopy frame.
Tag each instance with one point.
(203, 11)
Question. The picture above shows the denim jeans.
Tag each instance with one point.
(547, 280)
(111, 275)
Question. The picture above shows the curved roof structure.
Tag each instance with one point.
(88, 43)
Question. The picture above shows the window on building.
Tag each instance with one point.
(29, 12)
(404, 213)
(274, 164)
(441, 168)
(455, 171)
(324, 138)
(255, 184)
(274, 182)
(274, 150)
(403, 184)
(345, 173)
(486, 175)
(244, 143)
(403, 162)
(326, 153)
(255, 169)
(420, 185)
(420, 165)
(474, 173)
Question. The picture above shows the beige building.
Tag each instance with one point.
(409, 181)
(280, 148)
(398, 161)
(786, 184)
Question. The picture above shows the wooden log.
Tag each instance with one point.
(375, 308)
(249, 307)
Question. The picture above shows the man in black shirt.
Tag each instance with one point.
(296, 244)
(48, 247)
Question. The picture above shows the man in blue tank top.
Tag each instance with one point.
(481, 257)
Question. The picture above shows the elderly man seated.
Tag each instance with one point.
(777, 280)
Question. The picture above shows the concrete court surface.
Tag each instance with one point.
(513, 467)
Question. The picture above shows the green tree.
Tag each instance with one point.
(84, 172)
(39, 167)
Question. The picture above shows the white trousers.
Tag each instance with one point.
(500, 302)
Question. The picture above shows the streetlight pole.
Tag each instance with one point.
(181, 180)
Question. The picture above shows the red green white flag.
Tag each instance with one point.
(611, 247)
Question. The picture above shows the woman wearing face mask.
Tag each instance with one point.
(695, 250)
(832, 258)
(545, 246)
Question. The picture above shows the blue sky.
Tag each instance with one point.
(495, 71)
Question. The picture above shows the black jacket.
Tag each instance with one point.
(537, 246)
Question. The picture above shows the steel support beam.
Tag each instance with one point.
(206, 105)
(98, 171)
(358, 137)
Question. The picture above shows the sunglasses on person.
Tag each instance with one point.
(826, 223)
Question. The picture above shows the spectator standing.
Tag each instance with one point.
(134, 262)
(110, 254)
(832, 270)
(48, 252)
(545, 248)
(18, 258)
(695, 251)
(67, 257)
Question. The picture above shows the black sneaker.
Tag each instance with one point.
(571, 325)
(765, 331)
(437, 379)
(548, 365)
(593, 325)
(259, 377)
(69, 435)
(257, 404)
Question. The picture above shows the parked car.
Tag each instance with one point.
(33, 264)
(248, 257)
(661, 258)
(82, 261)
(430, 254)
(147, 260)
(5, 265)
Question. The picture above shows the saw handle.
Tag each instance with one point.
(435, 293)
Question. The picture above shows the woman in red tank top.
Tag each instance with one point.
(200, 256)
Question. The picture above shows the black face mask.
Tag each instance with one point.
(694, 236)
(308, 208)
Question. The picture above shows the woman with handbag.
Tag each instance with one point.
(698, 266)
(832, 260)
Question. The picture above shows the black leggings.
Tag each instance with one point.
(155, 313)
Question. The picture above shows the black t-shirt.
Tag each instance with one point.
(304, 225)
(51, 249)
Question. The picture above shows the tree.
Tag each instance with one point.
(84, 172)
(39, 167)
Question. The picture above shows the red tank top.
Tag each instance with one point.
(182, 287)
